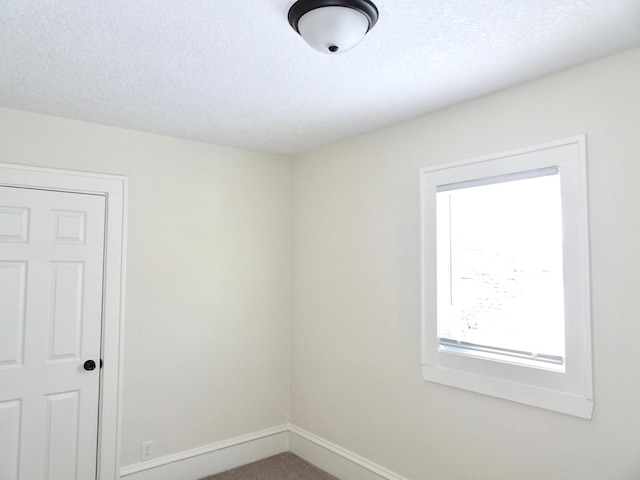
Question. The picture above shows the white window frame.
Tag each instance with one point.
(569, 392)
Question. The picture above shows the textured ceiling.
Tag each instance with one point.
(234, 73)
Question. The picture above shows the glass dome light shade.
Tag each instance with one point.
(333, 29)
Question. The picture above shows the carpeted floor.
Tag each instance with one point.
(285, 466)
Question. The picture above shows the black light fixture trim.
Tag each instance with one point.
(301, 7)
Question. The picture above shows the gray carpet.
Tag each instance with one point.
(285, 466)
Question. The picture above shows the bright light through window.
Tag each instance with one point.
(505, 307)
(499, 268)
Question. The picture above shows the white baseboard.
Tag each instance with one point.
(211, 459)
(334, 459)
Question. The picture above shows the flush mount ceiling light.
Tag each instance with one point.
(333, 26)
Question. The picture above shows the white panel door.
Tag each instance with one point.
(51, 273)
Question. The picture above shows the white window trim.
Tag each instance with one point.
(569, 392)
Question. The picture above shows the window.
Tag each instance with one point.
(505, 277)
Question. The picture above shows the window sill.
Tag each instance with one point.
(558, 401)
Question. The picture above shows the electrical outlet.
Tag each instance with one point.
(146, 453)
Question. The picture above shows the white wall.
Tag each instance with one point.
(207, 314)
(356, 377)
(207, 327)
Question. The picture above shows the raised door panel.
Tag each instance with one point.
(67, 292)
(13, 278)
(14, 224)
(10, 413)
(61, 437)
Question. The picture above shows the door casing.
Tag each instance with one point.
(114, 188)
